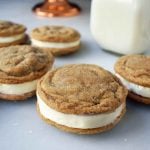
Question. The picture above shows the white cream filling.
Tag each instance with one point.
(10, 39)
(78, 121)
(54, 44)
(18, 89)
(135, 88)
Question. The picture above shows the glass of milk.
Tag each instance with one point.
(121, 26)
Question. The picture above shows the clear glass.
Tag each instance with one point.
(121, 26)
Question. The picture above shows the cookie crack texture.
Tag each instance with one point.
(10, 28)
(22, 60)
(134, 68)
(82, 89)
(55, 34)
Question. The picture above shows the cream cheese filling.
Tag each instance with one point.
(135, 88)
(10, 39)
(18, 89)
(78, 121)
(54, 44)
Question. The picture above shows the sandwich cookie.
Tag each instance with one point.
(59, 40)
(134, 72)
(20, 69)
(83, 99)
(12, 34)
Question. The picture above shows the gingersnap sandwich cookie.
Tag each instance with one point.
(82, 99)
(12, 33)
(134, 72)
(20, 69)
(60, 40)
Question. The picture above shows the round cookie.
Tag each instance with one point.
(83, 99)
(134, 72)
(20, 69)
(59, 40)
(12, 34)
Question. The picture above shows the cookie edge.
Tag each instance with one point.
(83, 131)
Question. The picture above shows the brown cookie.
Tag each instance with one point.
(134, 72)
(21, 41)
(81, 91)
(59, 40)
(12, 34)
(21, 97)
(139, 98)
(20, 68)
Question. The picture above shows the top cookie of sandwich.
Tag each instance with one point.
(8, 28)
(23, 63)
(134, 68)
(81, 89)
(55, 34)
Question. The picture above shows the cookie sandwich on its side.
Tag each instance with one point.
(134, 72)
(20, 69)
(82, 99)
(59, 40)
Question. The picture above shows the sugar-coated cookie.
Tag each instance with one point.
(83, 99)
(134, 72)
(59, 40)
(12, 34)
(20, 69)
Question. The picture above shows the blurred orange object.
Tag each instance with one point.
(56, 8)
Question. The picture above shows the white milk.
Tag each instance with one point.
(121, 26)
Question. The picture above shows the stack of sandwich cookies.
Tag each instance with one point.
(83, 99)
(59, 40)
(12, 34)
(134, 72)
(20, 69)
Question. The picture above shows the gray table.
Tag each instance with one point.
(20, 126)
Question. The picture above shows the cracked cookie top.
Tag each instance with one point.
(23, 63)
(81, 89)
(8, 28)
(55, 34)
(134, 68)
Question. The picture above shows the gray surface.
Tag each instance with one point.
(22, 129)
